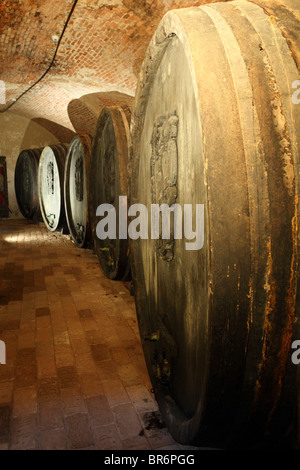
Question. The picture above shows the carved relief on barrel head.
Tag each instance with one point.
(26, 177)
(164, 172)
(109, 174)
(79, 179)
(50, 178)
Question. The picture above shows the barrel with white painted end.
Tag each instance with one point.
(26, 183)
(51, 187)
(214, 124)
(108, 181)
(76, 189)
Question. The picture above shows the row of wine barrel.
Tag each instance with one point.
(62, 185)
(213, 123)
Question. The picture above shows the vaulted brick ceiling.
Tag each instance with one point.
(97, 60)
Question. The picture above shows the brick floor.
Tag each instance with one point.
(75, 376)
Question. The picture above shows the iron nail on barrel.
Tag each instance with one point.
(51, 187)
(226, 314)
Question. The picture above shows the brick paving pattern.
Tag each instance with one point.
(75, 376)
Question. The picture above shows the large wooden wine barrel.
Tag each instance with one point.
(108, 181)
(76, 189)
(214, 124)
(51, 187)
(26, 183)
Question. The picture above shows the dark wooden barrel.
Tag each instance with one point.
(26, 185)
(76, 189)
(214, 124)
(51, 187)
(108, 181)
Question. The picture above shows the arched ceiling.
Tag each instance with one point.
(98, 47)
(99, 53)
